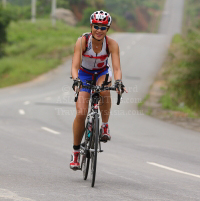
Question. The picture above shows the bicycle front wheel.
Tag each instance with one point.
(86, 157)
(85, 166)
(94, 147)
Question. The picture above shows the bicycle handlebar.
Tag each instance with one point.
(103, 87)
(99, 89)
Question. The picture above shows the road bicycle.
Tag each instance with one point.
(91, 143)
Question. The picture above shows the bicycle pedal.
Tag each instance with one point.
(101, 151)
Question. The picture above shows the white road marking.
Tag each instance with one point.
(50, 130)
(174, 170)
(6, 194)
(22, 159)
(26, 102)
(22, 112)
(122, 53)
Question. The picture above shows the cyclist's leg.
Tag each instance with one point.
(81, 109)
(105, 102)
(81, 113)
(78, 128)
(105, 106)
(79, 121)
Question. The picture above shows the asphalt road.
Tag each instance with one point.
(147, 159)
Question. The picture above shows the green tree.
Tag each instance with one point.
(86, 16)
(19, 2)
(63, 4)
(5, 18)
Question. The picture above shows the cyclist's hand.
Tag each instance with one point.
(120, 87)
(77, 85)
(124, 90)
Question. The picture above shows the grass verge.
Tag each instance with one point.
(182, 75)
(182, 71)
(33, 49)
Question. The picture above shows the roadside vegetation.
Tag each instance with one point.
(28, 50)
(33, 49)
(5, 18)
(127, 15)
(182, 67)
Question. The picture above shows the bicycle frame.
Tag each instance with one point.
(94, 110)
(92, 143)
(94, 98)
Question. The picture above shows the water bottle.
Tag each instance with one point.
(89, 127)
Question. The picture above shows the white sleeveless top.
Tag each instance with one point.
(93, 61)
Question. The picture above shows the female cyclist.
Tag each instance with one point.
(96, 48)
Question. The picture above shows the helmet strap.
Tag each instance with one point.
(95, 38)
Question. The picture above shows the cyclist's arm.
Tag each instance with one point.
(77, 57)
(114, 51)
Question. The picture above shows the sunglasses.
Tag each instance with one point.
(98, 27)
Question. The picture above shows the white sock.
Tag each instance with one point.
(104, 124)
(77, 150)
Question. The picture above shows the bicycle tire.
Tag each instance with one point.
(85, 166)
(94, 146)
(86, 160)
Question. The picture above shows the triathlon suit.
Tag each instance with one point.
(93, 62)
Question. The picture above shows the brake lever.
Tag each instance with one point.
(77, 93)
(119, 94)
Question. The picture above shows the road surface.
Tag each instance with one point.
(147, 159)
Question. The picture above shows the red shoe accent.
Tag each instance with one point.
(75, 158)
(105, 129)
(105, 135)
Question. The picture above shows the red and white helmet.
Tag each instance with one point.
(101, 17)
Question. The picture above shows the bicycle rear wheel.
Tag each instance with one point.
(94, 147)
(85, 166)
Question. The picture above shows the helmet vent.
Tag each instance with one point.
(101, 17)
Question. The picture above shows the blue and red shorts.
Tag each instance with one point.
(85, 74)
